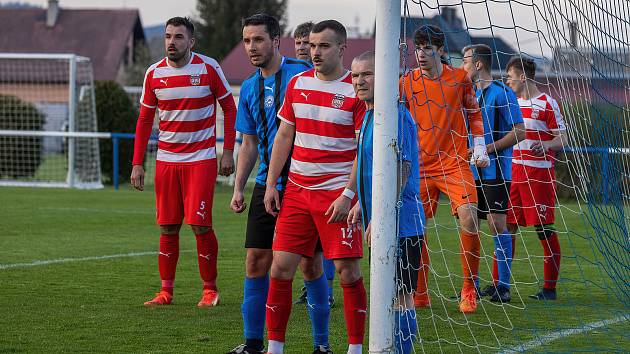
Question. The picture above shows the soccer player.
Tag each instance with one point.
(533, 190)
(442, 102)
(503, 127)
(302, 45)
(320, 117)
(260, 99)
(302, 51)
(184, 88)
(411, 215)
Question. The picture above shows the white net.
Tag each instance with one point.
(580, 49)
(44, 100)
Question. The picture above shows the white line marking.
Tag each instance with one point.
(564, 333)
(93, 210)
(81, 259)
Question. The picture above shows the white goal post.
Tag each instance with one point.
(48, 121)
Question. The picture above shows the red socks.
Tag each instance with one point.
(423, 272)
(551, 248)
(167, 260)
(354, 310)
(207, 251)
(278, 308)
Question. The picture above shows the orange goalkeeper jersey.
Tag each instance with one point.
(444, 110)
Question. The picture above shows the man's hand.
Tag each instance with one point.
(226, 167)
(339, 209)
(538, 149)
(368, 235)
(480, 156)
(355, 217)
(137, 177)
(272, 201)
(238, 204)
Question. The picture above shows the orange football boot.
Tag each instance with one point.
(209, 298)
(161, 298)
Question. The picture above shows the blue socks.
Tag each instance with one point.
(503, 253)
(406, 331)
(318, 309)
(253, 307)
(329, 270)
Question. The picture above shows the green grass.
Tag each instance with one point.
(96, 305)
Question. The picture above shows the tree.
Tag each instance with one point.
(116, 113)
(219, 22)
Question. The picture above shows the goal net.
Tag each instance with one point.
(48, 121)
(581, 52)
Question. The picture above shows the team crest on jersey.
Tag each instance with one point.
(268, 101)
(195, 79)
(535, 113)
(337, 100)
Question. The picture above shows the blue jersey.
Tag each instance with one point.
(411, 219)
(500, 111)
(259, 103)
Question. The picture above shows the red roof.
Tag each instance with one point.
(101, 35)
(237, 67)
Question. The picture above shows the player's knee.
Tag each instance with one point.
(200, 230)
(258, 262)
(545, 231)
(349, 271)
(170, 229)
(311, 268)
(468, 219)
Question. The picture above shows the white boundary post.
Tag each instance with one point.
(72, 92)
(383, 257)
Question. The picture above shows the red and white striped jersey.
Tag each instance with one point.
(186, 100)
(326, 115)
(541, 115)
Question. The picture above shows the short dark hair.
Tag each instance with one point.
(182, 21)
(524, 65)
(480, 52)
(429, 34)
(262, 19)
(303, 29)
(333, 25)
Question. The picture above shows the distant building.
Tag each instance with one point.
(108, 37)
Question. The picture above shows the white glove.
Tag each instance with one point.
(479, 156)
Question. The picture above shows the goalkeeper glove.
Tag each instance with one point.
(480, 156)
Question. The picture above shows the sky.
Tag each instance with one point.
(479, 16)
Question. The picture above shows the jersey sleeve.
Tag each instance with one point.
(245, 122)
(406, 137)
(148, 104)
(148, 98)
(555, 120)
(358, 113)
(509, 109)
(471, 107)
(218, 83)
(286, 113)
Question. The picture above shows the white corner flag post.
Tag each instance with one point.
(384, 245)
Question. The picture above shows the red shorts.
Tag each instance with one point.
(301, 221)
(185, 190)
(459, 186)
(532, 196)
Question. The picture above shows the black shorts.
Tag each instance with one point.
(493, 197)
(261, 225)
(408, 263)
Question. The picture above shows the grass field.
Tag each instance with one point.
(60, 293)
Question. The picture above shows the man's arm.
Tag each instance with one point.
(148, 106)
(561, 139)
(475, 124)
(279, 155)
(510, 139)
(247, 155)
